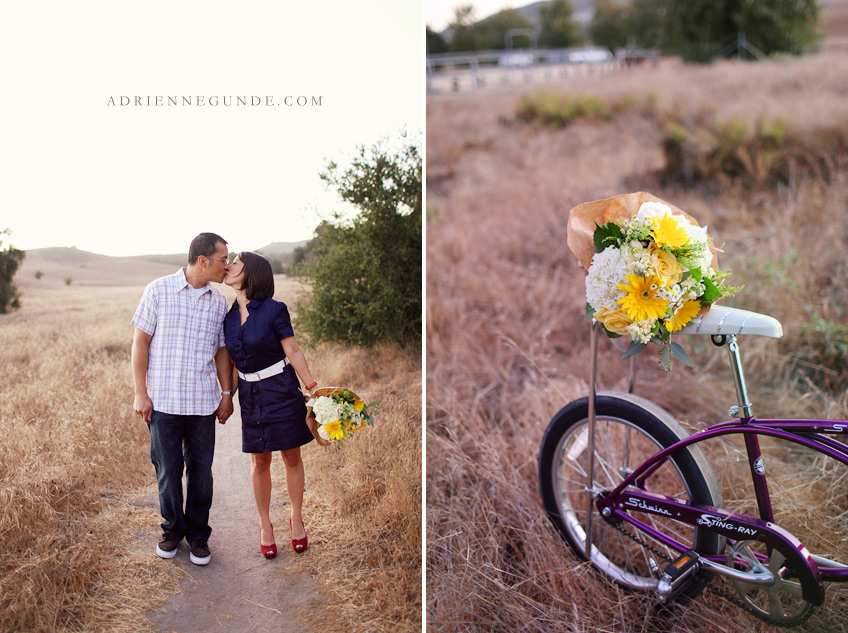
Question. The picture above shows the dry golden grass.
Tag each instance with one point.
(365, 500)
(507, 339)
(74, 463)
(73, 454)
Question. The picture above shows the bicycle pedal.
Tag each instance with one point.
(672, 581)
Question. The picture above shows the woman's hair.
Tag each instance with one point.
(258, 278)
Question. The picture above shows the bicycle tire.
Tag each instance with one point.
(562, 480)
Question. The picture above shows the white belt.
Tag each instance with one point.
(262, 374)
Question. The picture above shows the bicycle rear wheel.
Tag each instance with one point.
(629, 430)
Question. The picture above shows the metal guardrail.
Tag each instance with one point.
(438, 61)
(458, 72)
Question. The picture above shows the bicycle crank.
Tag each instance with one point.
(779, 602)
(761, 588)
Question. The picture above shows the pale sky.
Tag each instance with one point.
(134, 180)
(439, 13)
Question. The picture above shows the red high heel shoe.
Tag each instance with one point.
(268, 551)
(299, 545)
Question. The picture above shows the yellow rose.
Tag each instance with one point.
(358, 405)
(615, 321)
(668, 268)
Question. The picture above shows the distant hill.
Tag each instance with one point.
(280, 250)
(177, 259)
(583, 11)
(56, 265)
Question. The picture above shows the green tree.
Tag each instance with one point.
(464, 37)
(492, 32)
(435, 42)
(366, 273)
(10, 259)
(697, 30)
(609, 26)
(558, 27)
(646, 22)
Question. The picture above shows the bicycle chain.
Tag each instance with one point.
(718, 591)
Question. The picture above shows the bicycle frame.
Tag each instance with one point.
(630, 498)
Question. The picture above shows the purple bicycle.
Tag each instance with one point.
(633, 493)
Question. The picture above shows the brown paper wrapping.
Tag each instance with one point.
(583, 217)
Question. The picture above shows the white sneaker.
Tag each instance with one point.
(199, 554)
(167, 546)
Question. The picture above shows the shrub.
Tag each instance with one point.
(10, 259)
(366, 274)
(556, 109)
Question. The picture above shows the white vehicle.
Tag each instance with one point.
(517, 59)
(589, 56)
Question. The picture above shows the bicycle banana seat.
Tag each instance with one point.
(723, 320)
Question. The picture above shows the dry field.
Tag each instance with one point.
(507, 342)
(74, 465)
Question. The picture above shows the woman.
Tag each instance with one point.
(261, 342)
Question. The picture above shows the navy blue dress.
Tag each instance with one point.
(273, 413)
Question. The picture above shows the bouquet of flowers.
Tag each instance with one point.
(650, 273)
(335, 414)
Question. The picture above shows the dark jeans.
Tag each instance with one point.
(177, 441)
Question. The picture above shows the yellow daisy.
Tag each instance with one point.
(334, 430)
(668, 232)
(688, 311)
(641, 301)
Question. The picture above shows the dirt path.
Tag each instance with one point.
(238, 590)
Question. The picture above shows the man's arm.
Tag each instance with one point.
(140, 356)
(224, 368)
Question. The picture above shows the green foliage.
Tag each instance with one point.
(610, 234)
(826, 346)
(698, 30)
(493, 30)
(732, 133)
(464, 35)
(10, 259)
(556, 109)
(609, 26)
(558, 29)
(277, 265)
(435, 42)
(645, 22)
(366, 274)
(756, 153)
(299, 259)
(39, 274)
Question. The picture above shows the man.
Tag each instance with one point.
(177, 351)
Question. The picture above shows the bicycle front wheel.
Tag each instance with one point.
(629, 430)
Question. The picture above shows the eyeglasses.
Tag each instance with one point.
(217, 259)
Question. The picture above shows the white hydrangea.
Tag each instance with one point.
(325, 410)
(606, 271)
(323, 433)
(650, 210)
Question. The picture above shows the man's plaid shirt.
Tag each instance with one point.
(187, 332)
